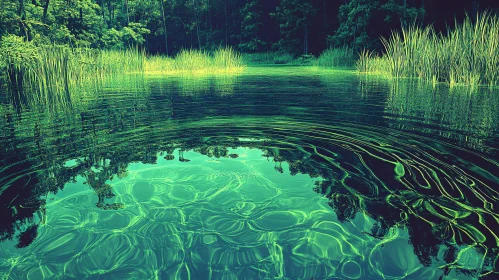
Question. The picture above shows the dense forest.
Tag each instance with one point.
(167, 26)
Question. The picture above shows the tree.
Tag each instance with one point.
(362, 22)
(251, 15)
(294, 17)
(354, 18)
(399, 13)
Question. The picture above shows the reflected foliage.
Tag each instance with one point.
(383, 165)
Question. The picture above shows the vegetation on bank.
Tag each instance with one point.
(221, 60)
(268, 58)
(467, 54)
(336, 57)
(54, 71)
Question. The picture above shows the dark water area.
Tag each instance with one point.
(276, 173)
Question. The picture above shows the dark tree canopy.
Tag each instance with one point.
(167, 26)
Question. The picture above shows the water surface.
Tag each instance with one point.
(277, 173)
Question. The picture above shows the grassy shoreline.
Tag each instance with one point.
(55, 71)
(466, 55)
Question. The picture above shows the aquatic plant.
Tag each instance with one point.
(227, 58)
(336, 57)
(17, 58)
(54, 73)
(223, 59)
(467, 54)
(192, 60)
(365, 61)
(268, 58)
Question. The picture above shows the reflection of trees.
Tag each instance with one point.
(19, 201)
(122, 131)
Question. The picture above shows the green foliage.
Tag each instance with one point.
(397, 13)
(362, 64)
(336, 57)
(15, 51)
(362, 22)
(18, 58)
(369, 62)
(250, 27)
(80, 19)
(294, 18)
(468, 54)
(354, 18)
(133, 34)
(112, 39)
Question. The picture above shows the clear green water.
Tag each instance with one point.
(278, 173)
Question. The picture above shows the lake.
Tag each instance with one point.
(275, 173)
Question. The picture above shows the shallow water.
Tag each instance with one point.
(276, 173)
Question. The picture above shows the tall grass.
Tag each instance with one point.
(467, 54)
(223, 59)
(227, 58)
(336, 57)
(268, 58)
(53, 74)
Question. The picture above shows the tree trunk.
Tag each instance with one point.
(197, 28)
(164, 26)
(22, 16)
(226, 25)
(45, 9)
(102, 10)
(127, 12)
(305, 41)
(110, 11)
(207, 23)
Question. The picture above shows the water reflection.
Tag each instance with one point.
(365, 146)
(468, 116)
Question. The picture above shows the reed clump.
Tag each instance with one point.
(53, 73)
(467, 54)
(269, 58)
(221, 60)
(369, 62)
(336, 57)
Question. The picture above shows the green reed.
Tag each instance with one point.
(55, 74)
(227, 58)
(467, 54)
(268, 58)
(336, 57)
(223, 59)
(369, 62)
